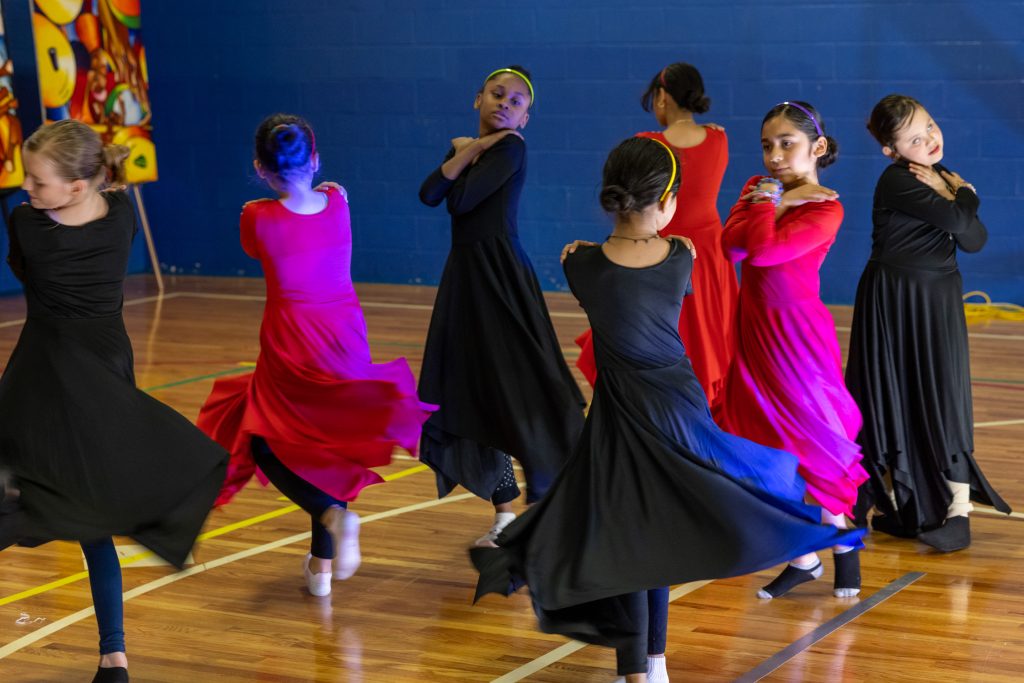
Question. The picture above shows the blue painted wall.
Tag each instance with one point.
(386, 84)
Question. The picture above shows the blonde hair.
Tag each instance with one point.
(78, 153)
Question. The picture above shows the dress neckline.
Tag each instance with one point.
(668, 255)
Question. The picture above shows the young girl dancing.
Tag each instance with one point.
(316, 413)
(90, 456)
(655, 493)
(674, 95)
(785, 388)
(909, 366)
(492, 360)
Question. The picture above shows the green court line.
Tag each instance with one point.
(197, 378)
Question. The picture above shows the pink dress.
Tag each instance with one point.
(705, 322)
(785, 388)
(325, 409)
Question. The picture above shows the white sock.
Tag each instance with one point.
(502, 520)
(656, 670)
(806, 564)
(961, 504)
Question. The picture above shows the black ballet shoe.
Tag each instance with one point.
(790, 578)
(847, 579)
(889, 525)
(111, 674)
(954, 535)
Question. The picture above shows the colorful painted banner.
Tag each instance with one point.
(11, 170)
(92, 67)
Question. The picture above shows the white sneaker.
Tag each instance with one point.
(501, 520)
(347, 557)
(319, 583)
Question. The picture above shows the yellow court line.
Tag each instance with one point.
(213, 533)
(71, 619)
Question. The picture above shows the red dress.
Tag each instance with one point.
(324, 408)
(705, 323)
(785, 388)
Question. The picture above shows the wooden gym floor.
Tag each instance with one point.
(242, 613)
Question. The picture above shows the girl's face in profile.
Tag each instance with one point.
(504, 103)
(46, 189)
(918, 141)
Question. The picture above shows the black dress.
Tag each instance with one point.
(92, 455)
(492, 360)
(909, 368)
(655, 493)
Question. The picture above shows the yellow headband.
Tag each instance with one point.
(672, 178)
(517, 73)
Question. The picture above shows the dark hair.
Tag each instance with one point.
(889, 116)
(806, 124)
(683, 84)
(515, 67)
(635, 176)
(285, 144)
(78, 153)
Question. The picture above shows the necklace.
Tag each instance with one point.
(635, 240)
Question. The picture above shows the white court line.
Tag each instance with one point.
(130, 302)
(564, 651)
(71, 619)
(998, 423)
(996, 513)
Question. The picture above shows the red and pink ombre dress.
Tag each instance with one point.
(325, 409)
(785, 388)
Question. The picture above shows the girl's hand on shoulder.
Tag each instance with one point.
(687, 242)
(115, 188)
(331, 185)
(930, 177)
(713, 126)
(462, 143)
(955, 182)
(808, 194)
(488, 141)
(573, 246)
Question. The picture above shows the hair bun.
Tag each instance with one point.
(114, 158)
(617, 199)
(831, 152)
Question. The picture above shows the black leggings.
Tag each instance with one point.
(631, 658)
(302, 493)
(649, 611)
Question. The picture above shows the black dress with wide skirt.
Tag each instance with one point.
(909, 367)
(655, 493)
(91, 454)
(492, 360)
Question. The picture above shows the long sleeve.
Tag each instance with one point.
(752, 233)
(15, 258)
(435, 188)
(976, 235)
(737, 226)
(901, 191)
(482, 179)
(800, 231)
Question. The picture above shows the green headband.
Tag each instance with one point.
(672, 178)
(520, 74)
